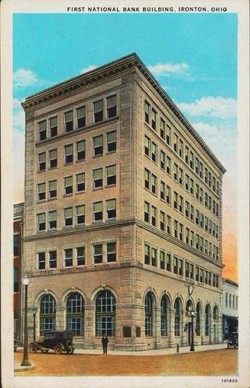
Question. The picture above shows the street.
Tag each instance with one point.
(222, 362)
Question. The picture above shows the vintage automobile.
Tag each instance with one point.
(59, 341)
(233, 340)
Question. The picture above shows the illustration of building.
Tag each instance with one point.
(122, 225)
(230, 311)
(17, 263)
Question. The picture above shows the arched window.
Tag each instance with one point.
(149, 314)
(207, 319)
(164, 316)
(177, 317)
(198, 319)
(215, 313)
(47, 313)
(75, 314)
(105, 313)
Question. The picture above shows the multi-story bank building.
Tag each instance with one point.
(122, 229)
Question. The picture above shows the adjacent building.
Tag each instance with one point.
(17, 263)
(122, 219)
(230, 307)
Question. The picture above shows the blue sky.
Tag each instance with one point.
(193, 57)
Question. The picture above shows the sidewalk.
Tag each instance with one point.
(158, 352)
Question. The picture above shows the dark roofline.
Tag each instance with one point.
(226, 280)
(114, 67)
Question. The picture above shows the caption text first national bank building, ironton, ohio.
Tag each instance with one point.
(122, 217)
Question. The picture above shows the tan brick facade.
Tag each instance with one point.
(95, 206)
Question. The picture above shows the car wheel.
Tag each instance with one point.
(70, 350)
(58, 348)
(33, 348)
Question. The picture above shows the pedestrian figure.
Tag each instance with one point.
(105, 342)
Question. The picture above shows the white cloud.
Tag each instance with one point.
(168, 69)
(23, 78)
(18, 116)
(217, 107)
(89, 68)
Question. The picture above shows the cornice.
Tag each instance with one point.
(109, 71)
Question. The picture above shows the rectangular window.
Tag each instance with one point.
(111, 141)
(153, 216)
(191, 160)
(180, 267)
(153, 119)
(168, 135)
(169, 263)
(175, 142)
(98, 111)
(68, 216)
(42, 161)
(180, 176)
(162, 129)
(162, 191)
(163, 160)
(81, 117)
(146, 211)
(68, 185)
(80, 255)
(186, 154)
(97, 211)
(80, 214)
(97, 253)
(168, 165)
(52, 189)
(154, 152)
(17, 244)
(98, 145)
(154, 256)
(111, 251)
(147, 111)
(153, 183)
(181, 148)
(80, 182)
(41, 191)
(175, 172)
(176, 229)
(68, 154)
(52, 219)
(175, 200)
(53, 126)
(41, 260)
(175, 268)
(53, 158)
(147, 146)
(146, 254)
(111, 209)
(168, 195)
(52, 259)
(97, 178)
(68, 119)
(80, 150)
(169, 225)
(162, 221)
(146, 178)
(111, 175)
(68, 257)
(42, 130)
(41, 222)
(111, 107)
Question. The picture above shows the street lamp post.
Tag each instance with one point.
(34, 323)
(25, 361)
(192, 332)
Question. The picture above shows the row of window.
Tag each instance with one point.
(74, 257)
(231, 301)
(177, 202)
(73, 216)
(76, 152)
(100, 177)
(167, 261)
(77, 118)
(180, 148)
(178, 175)
(166, 225)
(105, 315)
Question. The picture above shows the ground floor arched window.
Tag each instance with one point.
(164, 316)
(47, 313)
(75, 314)
(105, 313)
(177, 317)
(149, 314)
(207, 319)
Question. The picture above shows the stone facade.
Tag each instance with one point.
(116, 253)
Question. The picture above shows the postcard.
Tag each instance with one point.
(124, 193)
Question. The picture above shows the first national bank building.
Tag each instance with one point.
(122, 219)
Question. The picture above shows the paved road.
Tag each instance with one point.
(216, 362)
